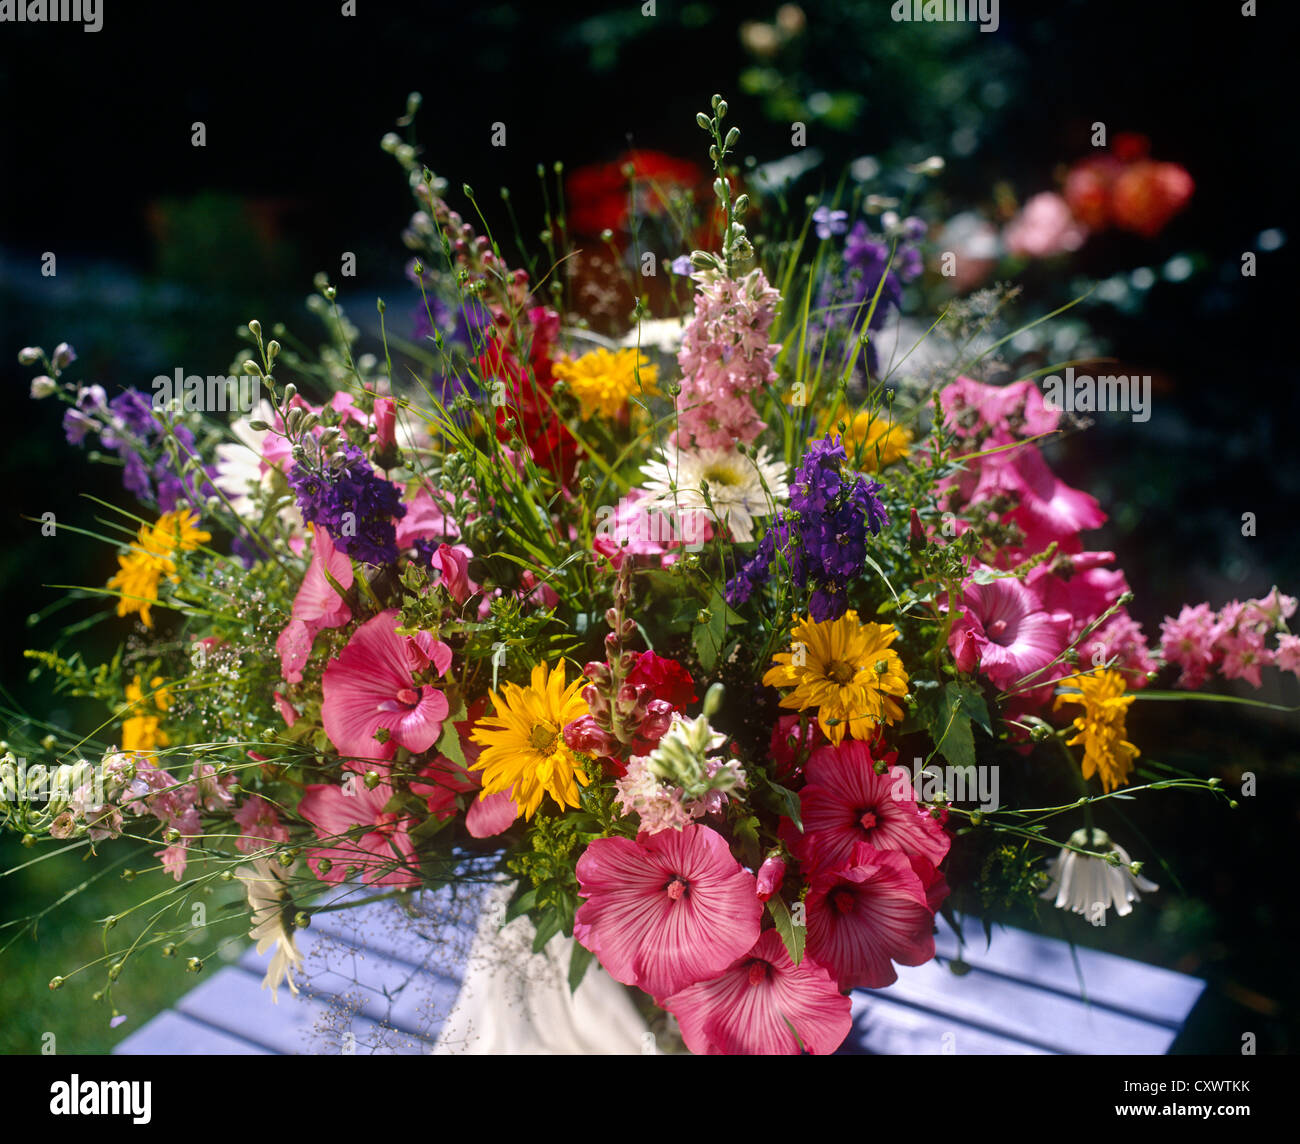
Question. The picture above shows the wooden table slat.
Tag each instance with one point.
(1024, 1011)
(885, 1028)
(1146, 991)
(173, 1034)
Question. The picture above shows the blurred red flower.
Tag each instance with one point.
(1126, 189)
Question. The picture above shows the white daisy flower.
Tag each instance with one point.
(240, 476)
(268, 896)
(742, 488)
(1090, 886)
(663, 334)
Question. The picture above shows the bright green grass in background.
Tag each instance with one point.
(68, 1020)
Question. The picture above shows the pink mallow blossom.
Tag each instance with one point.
(869, 914)
(763, 1003)
(771, 874)
(1004, 627)
(667, 910)
(372, 702)
(359, 835)
(845, 804)
(999, 413)
(316, 607)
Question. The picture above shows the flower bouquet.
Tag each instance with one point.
(737, 648)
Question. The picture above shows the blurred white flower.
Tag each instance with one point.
(268, 895)
(1082, 883)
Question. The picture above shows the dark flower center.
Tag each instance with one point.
(867, 819)
(759, 971)
(842, 899)
(839, 671)
(996, 629)
(409, 698)
(678, 886)
(542, 738)
(386, 825)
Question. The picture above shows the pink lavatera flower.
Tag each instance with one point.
(385, 423)
(373, 703)
(451, 562)
(1049, 508)
(844, 804)
(667, 910)
(865, 916)
(358, 832)
(317, 605)
(442, 780)
(771, 874)
(753, 1005)
(1002, 413)
(1079, 584)
(1004, 626)
(425, 519)
(490, 816)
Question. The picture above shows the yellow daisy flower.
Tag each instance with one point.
(176, 531)
(523, 742)
(864, 434)
(604, 382)
(137, 579)
(142, 732)
(1102, 728)
(847, 671)
(141, 570)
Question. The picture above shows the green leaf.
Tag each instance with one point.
(578, 962)
(746, 832)
(785, 802)
(791, 934)
(521, 904)
(707, 646)
(709, 638)
(449, 744)
(973, 704)
(947, 715)
(547, 928)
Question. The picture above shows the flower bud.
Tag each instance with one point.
(770, 876)
(588, 737)
(30, 355)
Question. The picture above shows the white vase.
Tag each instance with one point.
(515, 1001)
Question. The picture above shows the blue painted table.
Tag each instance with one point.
(380, 981)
